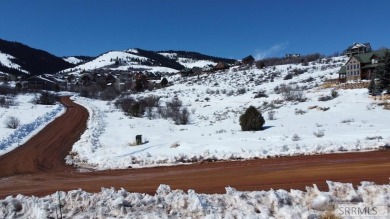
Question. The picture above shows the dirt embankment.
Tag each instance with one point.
(38, 168)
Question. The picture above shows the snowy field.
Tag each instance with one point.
(352, 121)
(167, 203)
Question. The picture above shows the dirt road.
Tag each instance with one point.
(37, 168)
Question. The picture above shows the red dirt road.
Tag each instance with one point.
(38, 168)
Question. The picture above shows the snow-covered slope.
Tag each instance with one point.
(6, 60)
(350, 122)
(168, 203)
(120, 60)
(189, 62)
(73, 60)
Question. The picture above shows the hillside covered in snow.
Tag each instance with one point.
(302, 117)
(18, 59)
(143, 60)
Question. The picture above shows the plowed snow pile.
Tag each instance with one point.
(167, 203)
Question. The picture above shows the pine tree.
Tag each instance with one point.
(383, 74)
(251, 120)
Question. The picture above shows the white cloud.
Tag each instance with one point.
(261, 54)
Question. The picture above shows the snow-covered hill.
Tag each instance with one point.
(319, 120)
(6, 60)
(348, 121)
(73, 60)
(142, 60)
(189, 62)
(18, 59)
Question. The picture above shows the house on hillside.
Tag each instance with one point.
(293, 55)
(41, 83)
(221, 66)
(357, 48)
(362, 66)
(191, 72)
(249, 60)
(87, 79)
(4, 77)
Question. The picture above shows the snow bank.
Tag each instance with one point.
(33, 118)
(167, 203)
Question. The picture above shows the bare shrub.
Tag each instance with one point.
(12, 122)
(174, 104)
(347, 121)
(182, 118)
(7, 101)
(291, 93)
(325, 98)
(319, 134)
(45, 98)
(130, 106)
(108, 94)
(152, 101)
(300, 112)
(271, 115)
(374, 138)
(260, 94)
(241, 91)
(288, 76)
(295, 137)
(334, 93)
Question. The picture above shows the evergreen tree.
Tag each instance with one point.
(383, 74)
(251, 120)
(164, 82)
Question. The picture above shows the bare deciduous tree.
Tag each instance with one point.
(12, 122)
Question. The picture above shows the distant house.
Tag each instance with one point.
(249, 60)
(293, 55)
(221, 66)
(357, 48)
(362, 66)
(41, 83)
(4, 77)
(87, 79)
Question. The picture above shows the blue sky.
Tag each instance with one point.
(229, 28)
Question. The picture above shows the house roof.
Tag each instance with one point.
(372, 65)
(343, 69)
(358, 45)
(366, 57)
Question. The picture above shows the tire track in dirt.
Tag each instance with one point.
(38, 167)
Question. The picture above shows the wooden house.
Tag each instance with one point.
(249, 60)
(41, 83)
(357, 48)
(221, 66)
(362, 66)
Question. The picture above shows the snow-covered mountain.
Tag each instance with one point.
(20, 60)
(143, 60)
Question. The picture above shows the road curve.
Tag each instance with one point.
(38, 168)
